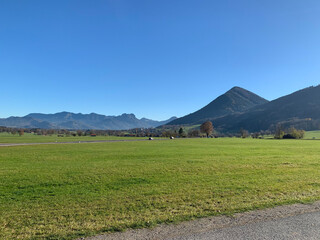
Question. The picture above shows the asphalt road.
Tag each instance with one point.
(304, 226)
(298, 221)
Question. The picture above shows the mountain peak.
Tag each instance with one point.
(236, 88)
(236, 100)
(300, 109)
(129, 115)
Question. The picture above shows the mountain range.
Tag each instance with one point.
(239, 108)
(236, 109)
(300, 109)
(68, 120)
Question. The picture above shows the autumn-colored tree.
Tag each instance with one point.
(207, 128)
(21, 132)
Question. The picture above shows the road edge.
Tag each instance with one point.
(166, 231)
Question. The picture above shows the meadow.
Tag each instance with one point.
(75, 190)
(32, 138)
(312, 135)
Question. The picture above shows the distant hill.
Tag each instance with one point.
(236, 100)
(24, 122)
(68, 120)
(238, 108)
(300, 109)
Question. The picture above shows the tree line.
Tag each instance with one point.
(205, 130)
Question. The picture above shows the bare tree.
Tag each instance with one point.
(207, 128)
(279, 132)
(244, 133)
(194, 133)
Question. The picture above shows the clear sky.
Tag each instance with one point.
(155, 59)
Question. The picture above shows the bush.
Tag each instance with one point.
(293, 133)
(296, 134)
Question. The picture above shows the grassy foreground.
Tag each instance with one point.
(31, 138)
(74, 190)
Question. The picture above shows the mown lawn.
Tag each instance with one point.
(312, 135)
(32, 138)
(74, 190)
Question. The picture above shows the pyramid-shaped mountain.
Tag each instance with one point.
(300, 109)
(236, 100)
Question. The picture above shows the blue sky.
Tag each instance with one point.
(155, 59)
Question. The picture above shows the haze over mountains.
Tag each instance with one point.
(68, 120)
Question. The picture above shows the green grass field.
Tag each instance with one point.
(312, 135)
(31, 138)
(74, 190)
